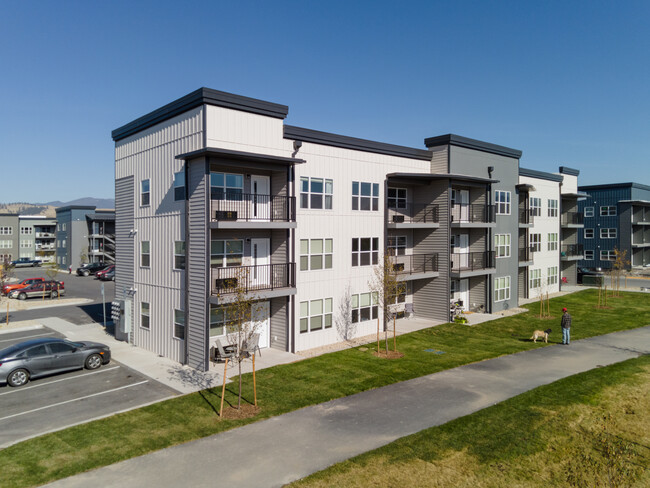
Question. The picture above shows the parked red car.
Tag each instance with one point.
(100, 274)
(8, 288)
(50, 289)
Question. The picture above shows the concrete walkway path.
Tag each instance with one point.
(289, 447)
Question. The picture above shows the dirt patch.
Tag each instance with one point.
(389, 355)
(245, 412)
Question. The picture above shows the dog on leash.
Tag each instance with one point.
(539, 334)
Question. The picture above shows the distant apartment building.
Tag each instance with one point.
(215, 183)
(9, 237)
(37, 238)
(616, 216)
(84, 234)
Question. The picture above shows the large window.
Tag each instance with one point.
(145, 194)
(552, 241)
(316, 315)
(536, 242)
(606, 211)
(179, 185)
(144, 315)
(226, 186)
(221, 321)
(502, 245)
(589, 233)
(608, 233)
(6, 244)
(316, 193)
(145, 254)
(396, 198)
(589, 255)
(365, 196)
(6, 231)
(364, 307)
(397, 245)
(552, 275)
(552, 208)
(502, 289)
(535, 279)
(502, 202)
(26, 231)
(607, 255)
(25, 244)
(316, 254)
(536, 207)
(589, 211)
(179, 254)
(226, 252)
(365, 251)
(179, 324)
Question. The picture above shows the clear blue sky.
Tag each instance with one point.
(565, 82)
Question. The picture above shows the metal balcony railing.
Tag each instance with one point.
(472, 261)
(45, 235)
(413, 213)
(572, 218)
(466, 212)
(253, 278)
(415, 263)
(525, 216)
(254, 207)
(526, 254)
(571, 250)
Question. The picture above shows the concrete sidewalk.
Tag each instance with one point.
(289, 447)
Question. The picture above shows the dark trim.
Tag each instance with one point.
(638, 186)
(346, 142)
(525, 187)
(74, 207)
(195, 99)
(569, 171)
(423, 177)
(460, 141)
(209, 152)
(533, 173)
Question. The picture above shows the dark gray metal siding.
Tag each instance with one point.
(124, 247)
(477, 287)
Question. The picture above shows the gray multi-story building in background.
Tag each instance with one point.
(37, 237)
(9, 237)
(84, 234)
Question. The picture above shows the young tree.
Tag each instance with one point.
(6, 272)
(344, 325)
(618, 267)
(52, 270)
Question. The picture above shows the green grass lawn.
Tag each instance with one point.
(289, 387)
(587, 430)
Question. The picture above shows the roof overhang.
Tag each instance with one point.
(466, 142)
(240, 156)
(636, 202)
(525, 187)
(578, 195)
(426, 178)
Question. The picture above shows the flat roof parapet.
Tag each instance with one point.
(460, 141)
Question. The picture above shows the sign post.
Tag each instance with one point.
(104, 305)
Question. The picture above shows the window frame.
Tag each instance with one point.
(552, 241)
(359, 199)
(506, 205)
(144, 194)
(372, 251)
(593, 233)
(607, 255)
(307, 259)
(535, 206)
(535, 243)
(308, 319)
(552, 277)
(225, 255)
(589, 212)
(610, 211)
(608, 233)
(505, 289)
(143, 254)
(145, 324)
(308, 195)
(398, 202)
(589, 252)
(178, 256)
(535, 278)
(179, 190)
(553, 207)
(372, 308)
(179, 325)
(226, 189)
(506, 246)
(397, 245)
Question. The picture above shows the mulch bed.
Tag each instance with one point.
(246, 411)
(390, 355)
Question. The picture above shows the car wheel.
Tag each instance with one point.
(22, 296)
(18, 377)
(54, 294)
(86, 273)
(93, 361)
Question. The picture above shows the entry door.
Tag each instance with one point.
(260, 199)
(460, 255)
(462, 293)
(261, 260)
(262, 321)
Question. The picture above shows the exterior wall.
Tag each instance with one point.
(124, 241)
(11, 242)
(440, 159)
(73, 229)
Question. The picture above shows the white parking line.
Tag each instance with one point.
(27, 337)
(31, 387)
(73, 400)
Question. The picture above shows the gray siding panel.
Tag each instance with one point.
(197, 247)
(124, 247)
(439, 159)
(279, 323)
(477, 290)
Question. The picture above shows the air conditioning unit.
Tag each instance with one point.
(225, 215)
(398, 219)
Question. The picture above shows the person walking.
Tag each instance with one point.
(566, 327)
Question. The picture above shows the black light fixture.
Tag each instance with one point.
(490, 169)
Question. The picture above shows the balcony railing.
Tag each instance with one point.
(571, 250)
(254, 207)
(414, 213)
(525, 216)
(466, 212)
(472, 261)
(415, 263)
(253, 278)
(572, 218)
(45, 235)
(526, 254)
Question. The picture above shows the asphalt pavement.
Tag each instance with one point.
(282, 449)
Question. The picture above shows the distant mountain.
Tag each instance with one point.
(49, 209)
(89, 201)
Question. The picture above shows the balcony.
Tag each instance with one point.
(571, 252)
(416, 266)
(464, 265)
(473, 215)
(525, 217)
(526, 256)
(572, 220)
(264, 281)
(45, 235)
(253, 211)
(413, 216)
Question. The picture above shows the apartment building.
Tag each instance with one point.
(616, 216)
(37, 237)
(214, 184)
(9, 237)
(84, 233)
(571, 224)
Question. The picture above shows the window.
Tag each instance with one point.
(179, 254)
(608, 233)
(226, 253)
(62, 259)
(502, 245)
(365, 251)
(6, 244)
(25, 244)
(535, 279)
(221, 321)
(36, 351)
(315, 254)
(179, 185)
(145, 195)
(397, 245)
(552, 208)
(552, 275)
(589, 255)
(144, 315)
(552, 241)
(607, 256)
(61, 348)
(365, 196)
(316, 193)
(226, 186)
(6, 231)
(316, 315)
(364, 307)
(589, 211)
(179, 324)
(63, 243)
(536, 242)
(145, 255)
(396, 198)
(5, 257)
(589, 233)
(608, 211)
(26, 231)
(502, 202)
(536, 207)
(502, 289)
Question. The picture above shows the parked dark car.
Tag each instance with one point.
(90, 269)
(108, 275)
(26, 262)
(100, 274)
(50, 289)
(40, 357)
(594, 275)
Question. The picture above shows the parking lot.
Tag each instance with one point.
(63, 400)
